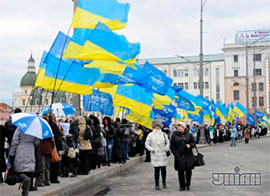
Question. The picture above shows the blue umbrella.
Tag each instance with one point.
(59, 109)
(31, 124)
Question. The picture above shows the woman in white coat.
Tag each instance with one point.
(158, 144)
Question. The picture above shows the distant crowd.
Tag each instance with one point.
(84, 144)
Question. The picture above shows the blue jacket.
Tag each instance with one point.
(233, 132)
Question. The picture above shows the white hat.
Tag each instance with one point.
(184, 125)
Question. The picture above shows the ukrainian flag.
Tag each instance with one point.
(134, 98)
(69, 76)
(143, 120)
(41, 71)
(103, 44)
(240, 109)
(110, 12)
(76, 43)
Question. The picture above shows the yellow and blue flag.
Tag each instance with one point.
(240, 109)
(41, 70)
(67, 74)
(134, 98)
(103, 44)
(110, 12)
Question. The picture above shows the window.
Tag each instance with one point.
(181, 85)
(253, 101)
(47, 101)
(195, 72)
(25, 91)
(186, 86)
(206, 72)
(180, 73)
(257, 72)
(236, 84)
(235, 72)
(235, 58)
(206, 85)
(236, 95)
(175, 73)
(55, 100)
(62, 100)
(23, 102)
(261, 101)
(261, 87)
(257, 57)
(254, 86)
(186, 72)
(71, 101)
(195, 85)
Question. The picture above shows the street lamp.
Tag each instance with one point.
(202, 135)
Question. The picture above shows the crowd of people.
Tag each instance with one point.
(87, 144)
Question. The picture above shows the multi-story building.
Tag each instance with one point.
(185, 73)
(247, 70)
(33, 99)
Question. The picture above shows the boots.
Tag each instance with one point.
(108, 163)
(157, 184)
(74, 173)
(65, 173)
(164, 184)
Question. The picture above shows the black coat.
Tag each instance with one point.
(183, 156)
(3, 165)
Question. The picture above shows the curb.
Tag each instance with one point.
(88, 182)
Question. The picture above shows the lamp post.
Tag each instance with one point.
(202, 134)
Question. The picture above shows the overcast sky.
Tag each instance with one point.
(163, 27)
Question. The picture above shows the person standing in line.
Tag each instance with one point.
(181, 145)
(22, 158)
(158, 144)
(233, 135)
(110, 134)
(247, 134)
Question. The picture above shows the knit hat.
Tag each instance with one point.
(184, 125)
(157, 123)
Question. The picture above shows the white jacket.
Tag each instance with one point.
(155, 143)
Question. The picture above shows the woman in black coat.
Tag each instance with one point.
(181, 146)
(3, 165)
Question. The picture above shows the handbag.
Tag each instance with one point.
(72, 152)
(10, 178)
(54, 156)
(168, 153)
(198, 159)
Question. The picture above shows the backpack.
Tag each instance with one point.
(87, 133)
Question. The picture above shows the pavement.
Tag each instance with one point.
(136, 177)
(250, 158)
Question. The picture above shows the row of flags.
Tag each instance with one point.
(100, 64)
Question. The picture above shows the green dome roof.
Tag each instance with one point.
(28, 79)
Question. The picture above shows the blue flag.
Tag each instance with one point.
(155, 80)
(259, 114)
(98, 102)
(250, 119)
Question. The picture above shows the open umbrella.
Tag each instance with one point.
(31, 124)
(59, 109)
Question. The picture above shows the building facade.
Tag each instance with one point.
(33, 99)
(247, 73)
(185, 73)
